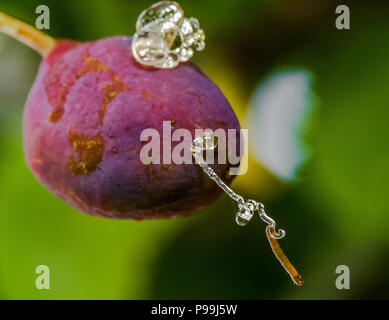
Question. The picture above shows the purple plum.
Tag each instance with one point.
(82, 124)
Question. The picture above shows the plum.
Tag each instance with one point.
(82, 124)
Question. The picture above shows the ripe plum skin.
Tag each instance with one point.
(82, 124)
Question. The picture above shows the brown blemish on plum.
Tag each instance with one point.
(146, 94)
(56, 115)
(219, 123)
(94, 65)
(111, 91)
(197, 96)
(89, 150)
(57, 99)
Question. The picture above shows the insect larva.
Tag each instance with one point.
(280, 255)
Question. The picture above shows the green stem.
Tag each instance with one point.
(26, 34)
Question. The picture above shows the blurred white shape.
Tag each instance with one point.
(279, 112)
(17, 71)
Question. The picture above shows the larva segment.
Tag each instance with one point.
(282, 258)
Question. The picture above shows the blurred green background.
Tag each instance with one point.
(334, 205)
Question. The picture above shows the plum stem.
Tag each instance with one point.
(26, 34)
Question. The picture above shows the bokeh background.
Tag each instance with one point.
(316, 102)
